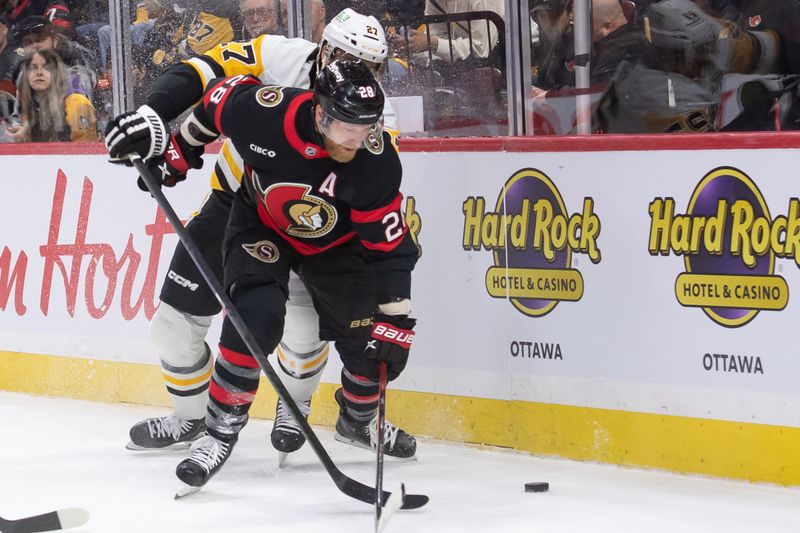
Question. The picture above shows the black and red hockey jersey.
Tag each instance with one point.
(312, 201)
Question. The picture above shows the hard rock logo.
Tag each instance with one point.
(532, 238)
(729, 242)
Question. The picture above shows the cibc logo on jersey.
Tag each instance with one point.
(729, 243)
(532, 238)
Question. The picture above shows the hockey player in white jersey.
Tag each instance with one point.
(181, 323)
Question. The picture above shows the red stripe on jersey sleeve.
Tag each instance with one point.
(248, 80)
(365, 217)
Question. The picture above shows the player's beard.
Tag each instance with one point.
(339, 153)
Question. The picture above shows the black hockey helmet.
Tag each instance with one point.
(347, 91)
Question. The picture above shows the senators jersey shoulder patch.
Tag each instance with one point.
(374, 143)
(270, 96)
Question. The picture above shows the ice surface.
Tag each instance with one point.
(57, 453)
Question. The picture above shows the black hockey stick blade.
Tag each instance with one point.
(366, 494)
(52, 521)
(347, 485)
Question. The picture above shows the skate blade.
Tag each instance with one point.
(172, 447)
(282, 458)
(186, 490)
(363, 446)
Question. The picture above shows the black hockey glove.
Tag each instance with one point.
(392, 336)
(178, 159)
(141, 132)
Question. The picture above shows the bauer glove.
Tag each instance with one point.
(141, 132)
(178, 159)
(392, 336)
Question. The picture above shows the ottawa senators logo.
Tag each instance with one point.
(754, 21)
(294, 211)
(264, 251)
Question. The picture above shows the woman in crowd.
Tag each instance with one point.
(47, 112)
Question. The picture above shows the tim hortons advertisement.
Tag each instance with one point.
(82, 257)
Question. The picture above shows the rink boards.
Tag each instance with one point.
(626, 300)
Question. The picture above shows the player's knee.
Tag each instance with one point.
(262, 307)
(300, 340)
(179, 337)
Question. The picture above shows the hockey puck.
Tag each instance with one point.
(537, 486)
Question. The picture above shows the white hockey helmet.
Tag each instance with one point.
(355, 34)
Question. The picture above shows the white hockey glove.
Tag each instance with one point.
(141, 132)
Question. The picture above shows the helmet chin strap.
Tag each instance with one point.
(320, 140)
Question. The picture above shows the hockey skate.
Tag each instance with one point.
(286, 435)
(162, 432)
(207, 457)
(397, 443)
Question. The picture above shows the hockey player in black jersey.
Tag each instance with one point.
(320, 197)
(179, 327)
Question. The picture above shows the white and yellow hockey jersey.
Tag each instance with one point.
(275, 60)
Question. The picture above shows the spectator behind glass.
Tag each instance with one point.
(89, 16)
(614, 39)
(140, 27)
(440, 45)
(157, 50)
(269, 17)
(683, 93)
(6, 53)
(403, 10)
(264, 17)
(780, 16)
(554, 19)
(186, 30)
(38, 33)
(607, 17)
(56, 11)
(48, 110)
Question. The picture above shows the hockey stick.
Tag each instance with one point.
(347, 485)
(379, 443)
(52, 521)
(384, 510)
